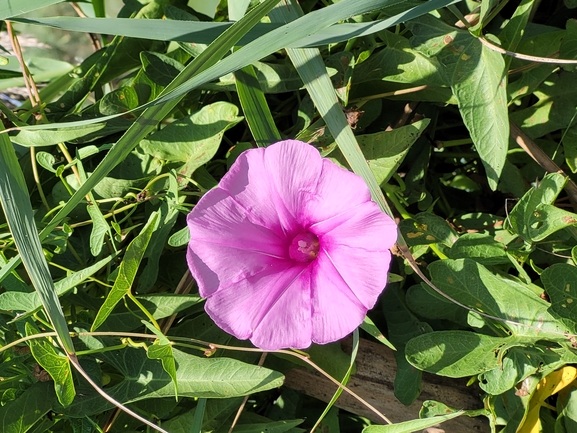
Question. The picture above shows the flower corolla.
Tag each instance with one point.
(289, 249)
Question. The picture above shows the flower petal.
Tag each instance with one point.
(294, 168)
(250, 183)
(357, 244)
(225, 246)
(336, 311)
(272, 309)
(337, 191)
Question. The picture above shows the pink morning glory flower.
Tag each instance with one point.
(289, 249)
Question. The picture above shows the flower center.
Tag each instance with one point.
(304, 247)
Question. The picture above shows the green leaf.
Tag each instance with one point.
(555, 108)
(193, 140)
(535, 217)
(480, 247)
(30, 302)
(50, 137)
(454, 353)
(569, 411)
(57, 366)
(163, 351)
(207, 32)
(369, 327)
(402, 326)
(179, 238)
(399, 63)
(385, 151)
(119, 101)
(473, 285)
(197, 377)
(255, 107)
(9, 9)
(100, 229)
(411, 426)
(426, 228)
(15, 201)
(560, 282)
(216, 413)
(20, 415)
(477, 77)
(127, 270)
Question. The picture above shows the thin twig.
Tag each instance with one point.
(526, 56)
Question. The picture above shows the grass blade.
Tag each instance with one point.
(20, 217)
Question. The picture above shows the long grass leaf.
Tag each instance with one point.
(148, 120)
(18, 7)
(255, 107)
(269, 43)
(20, 217)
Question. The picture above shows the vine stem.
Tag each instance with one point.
(526, 56)
(74, 361)
(211, 346)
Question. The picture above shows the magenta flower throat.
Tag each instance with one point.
(289, 249)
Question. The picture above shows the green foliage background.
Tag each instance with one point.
(470, 146)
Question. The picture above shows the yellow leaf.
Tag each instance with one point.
(549, 385)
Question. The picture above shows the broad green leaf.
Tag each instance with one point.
(194, 140)
(484, 111)
(160, 69)
(20, 415)
(100, 229)
(14, 198)
(127, 270)
(179, 238)
(516, 366)
(403, 326)
(555, 108)
(535, 217)
(49, 137)
(511, 35)
(568, 50)
(57, 366)
(119, 101)
(427, 228)
(560, 282)
(477, 77)
(473, 285)
(46, 161)
(480, 247)
(426, 303)
(386, 150)
(168, 215)
(454, 353)
(399, 63)
(163, 351)
(216, 413)
(197, 377)
(28, 302)
(411, 426)
(569, 411)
